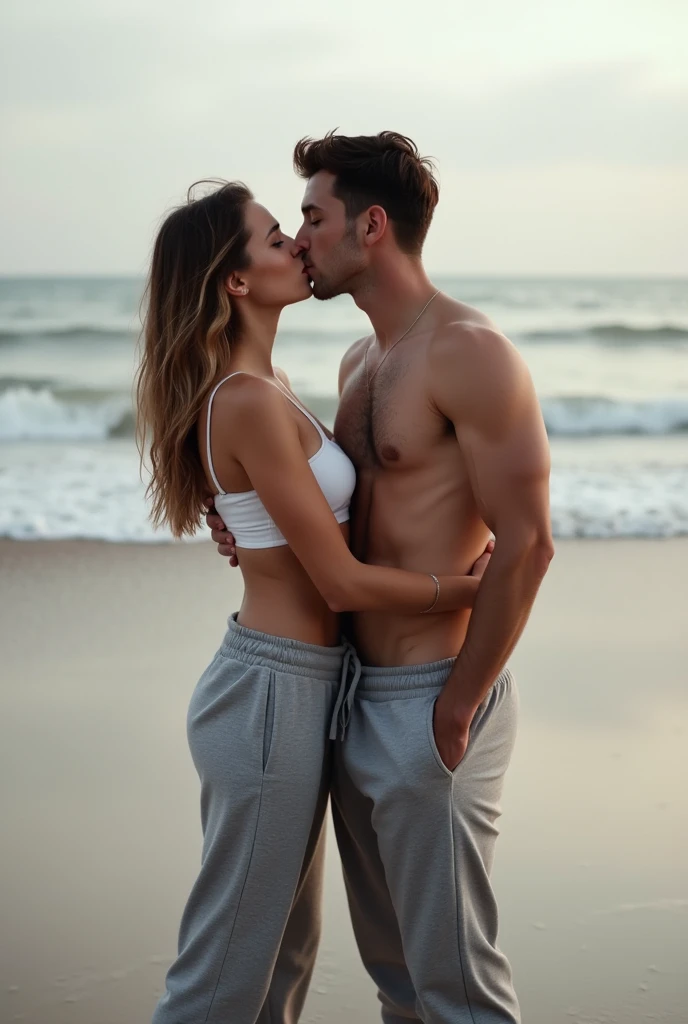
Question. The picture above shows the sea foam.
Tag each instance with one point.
(96, 492)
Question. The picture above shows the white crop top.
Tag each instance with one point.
(244, 514)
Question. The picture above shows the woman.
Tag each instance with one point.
(219, 415)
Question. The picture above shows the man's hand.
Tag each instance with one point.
(226, 544)
(451, 730)
(482, 563)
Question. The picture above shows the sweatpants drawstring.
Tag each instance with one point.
(347, 691)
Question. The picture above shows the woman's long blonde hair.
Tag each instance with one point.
(188, 328)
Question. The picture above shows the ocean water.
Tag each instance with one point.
(609, 359)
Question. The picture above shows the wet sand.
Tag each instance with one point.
(100, 648)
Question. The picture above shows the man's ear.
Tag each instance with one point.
(375, 225)
(236, 285)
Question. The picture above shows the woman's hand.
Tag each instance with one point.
(481, 564)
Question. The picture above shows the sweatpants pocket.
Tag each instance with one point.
(268, 727)
(431, 739)
(433, 743)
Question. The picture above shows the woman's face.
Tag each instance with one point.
(276, 275)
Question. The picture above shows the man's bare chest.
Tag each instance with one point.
(389, 422)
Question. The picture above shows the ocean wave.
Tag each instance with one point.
(98, 494)
(28, 414)
(127, 328)
(605, 335)
(588, 416)
(620, 501)
(123, 330)
(31, 411)
(612, 334)
(33, 383)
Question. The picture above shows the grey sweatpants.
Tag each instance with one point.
(258, 725)
(417, 843)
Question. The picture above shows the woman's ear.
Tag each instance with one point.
(236, 285)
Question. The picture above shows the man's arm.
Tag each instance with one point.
(481, 383)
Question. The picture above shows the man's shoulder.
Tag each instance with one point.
(470, 342)
(475, 370)
(356, 350)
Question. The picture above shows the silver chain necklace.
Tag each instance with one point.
(369, 379)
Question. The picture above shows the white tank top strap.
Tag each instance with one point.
(207, 429)
(282, 389)
(287, 394)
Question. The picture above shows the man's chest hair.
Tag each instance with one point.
(388, 424)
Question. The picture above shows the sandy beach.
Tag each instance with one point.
(101, 647)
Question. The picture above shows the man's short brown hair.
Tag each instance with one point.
(384, 170)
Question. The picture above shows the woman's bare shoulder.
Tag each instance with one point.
(246, 399)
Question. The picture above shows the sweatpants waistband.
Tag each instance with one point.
(282, 653)
(409, 680)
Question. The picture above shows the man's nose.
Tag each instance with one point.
(301, 242)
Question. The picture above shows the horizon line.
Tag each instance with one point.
(464, 275)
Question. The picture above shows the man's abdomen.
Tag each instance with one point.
(406, 523)
(382, 639)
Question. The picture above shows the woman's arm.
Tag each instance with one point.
(265, 441)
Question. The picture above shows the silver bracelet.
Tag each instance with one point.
(437, 594)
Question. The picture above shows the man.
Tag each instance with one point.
(438, 413)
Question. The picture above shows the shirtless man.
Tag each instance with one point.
(439, 415)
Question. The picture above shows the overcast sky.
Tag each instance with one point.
(560, 128)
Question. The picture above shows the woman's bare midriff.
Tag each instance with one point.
(280, 599)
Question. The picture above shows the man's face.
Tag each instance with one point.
(329, 244)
